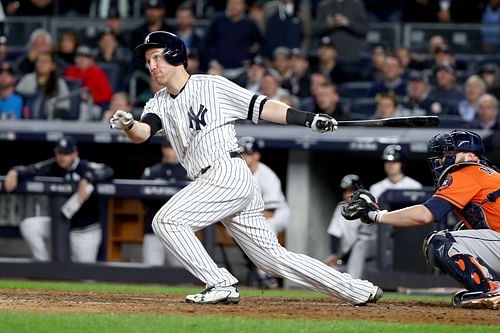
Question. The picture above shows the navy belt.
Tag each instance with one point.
(232, 154)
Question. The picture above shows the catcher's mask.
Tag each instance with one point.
(442, 149)
(175, 50)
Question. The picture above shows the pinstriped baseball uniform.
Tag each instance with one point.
(199, 123)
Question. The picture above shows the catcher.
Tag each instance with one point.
(469, 185)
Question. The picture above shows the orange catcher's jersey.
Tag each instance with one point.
(467, 189)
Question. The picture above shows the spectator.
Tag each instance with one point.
(487, 116)
(474, 89)
(435, 43)
(417, 102)
(444, 55)
(276, 209)
(30, 8)
(119, 101)
(461, 11)
(344, 234)
(281, 61)
(374, 72)
(5, 50)
(93, 78)
(45, 90)
(85, 229)
(420, 11)
(11, 103)
(103, 9)
(328, 62)
(287, 23)
(154, 253)
(252, 78)
(271, 85)
(384, 10)
(184, 24)
(446, 92)
(68, 42)
(491, 36)
(317, 80)
(299, 80)
(114, 24)
(386, 106)
(40, 42)
(233, 38)
(112, 53)
(393, 82)
(489, 72)
(154, 12)
(346, 23)
(327, 101)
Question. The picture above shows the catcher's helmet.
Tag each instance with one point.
(249, 145)
(175, 50)
(393, 153)
(351, 182)
(443, 147)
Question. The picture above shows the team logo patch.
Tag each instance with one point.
(196, 120)
(447, 182)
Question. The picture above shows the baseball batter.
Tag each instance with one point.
(197, 113)
(468, 185)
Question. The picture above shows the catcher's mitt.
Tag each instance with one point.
(362, 202)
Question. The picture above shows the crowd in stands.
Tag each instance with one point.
(311, 54)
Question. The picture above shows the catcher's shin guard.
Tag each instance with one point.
(474, 274)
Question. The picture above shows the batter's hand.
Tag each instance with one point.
(121, 120)
(323, 123)
(363, 206)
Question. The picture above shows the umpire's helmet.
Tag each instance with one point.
(394, 153)
(249, 145)
(175, 51)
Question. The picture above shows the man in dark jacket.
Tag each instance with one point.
(82, 209)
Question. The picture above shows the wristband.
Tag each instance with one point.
(297, 117)
(130, 126)
(376, 215)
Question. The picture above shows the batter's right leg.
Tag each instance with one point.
(36, 231)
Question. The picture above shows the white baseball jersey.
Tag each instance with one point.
(385, 184)
(274, 199)
(199, 123)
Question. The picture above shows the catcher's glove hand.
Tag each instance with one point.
(363, 206)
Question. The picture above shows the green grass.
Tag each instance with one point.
(121, 323)
(20, 322)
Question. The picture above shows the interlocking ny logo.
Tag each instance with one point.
(197, 120)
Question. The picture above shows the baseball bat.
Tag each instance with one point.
(411, 121)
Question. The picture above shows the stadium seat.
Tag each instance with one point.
(363, 108)
(75, 100)
(355, 89)
(113, 73)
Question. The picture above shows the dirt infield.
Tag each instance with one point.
(254, 307)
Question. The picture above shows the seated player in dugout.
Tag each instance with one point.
(85, 228)
(276, 209)
(469, 185)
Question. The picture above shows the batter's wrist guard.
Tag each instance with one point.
(297, 117)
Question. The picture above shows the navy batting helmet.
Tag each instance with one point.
(248, 144)
(351, 182)
(175, 50)
(393, 153)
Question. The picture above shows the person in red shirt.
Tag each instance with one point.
(91, 76)
(469, 186)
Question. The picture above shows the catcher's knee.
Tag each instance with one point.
(436, 246)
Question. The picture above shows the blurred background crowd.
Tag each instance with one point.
(352, 59)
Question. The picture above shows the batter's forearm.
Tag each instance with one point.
(274, 111)
(139, 132)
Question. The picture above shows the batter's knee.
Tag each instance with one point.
(436, 246)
